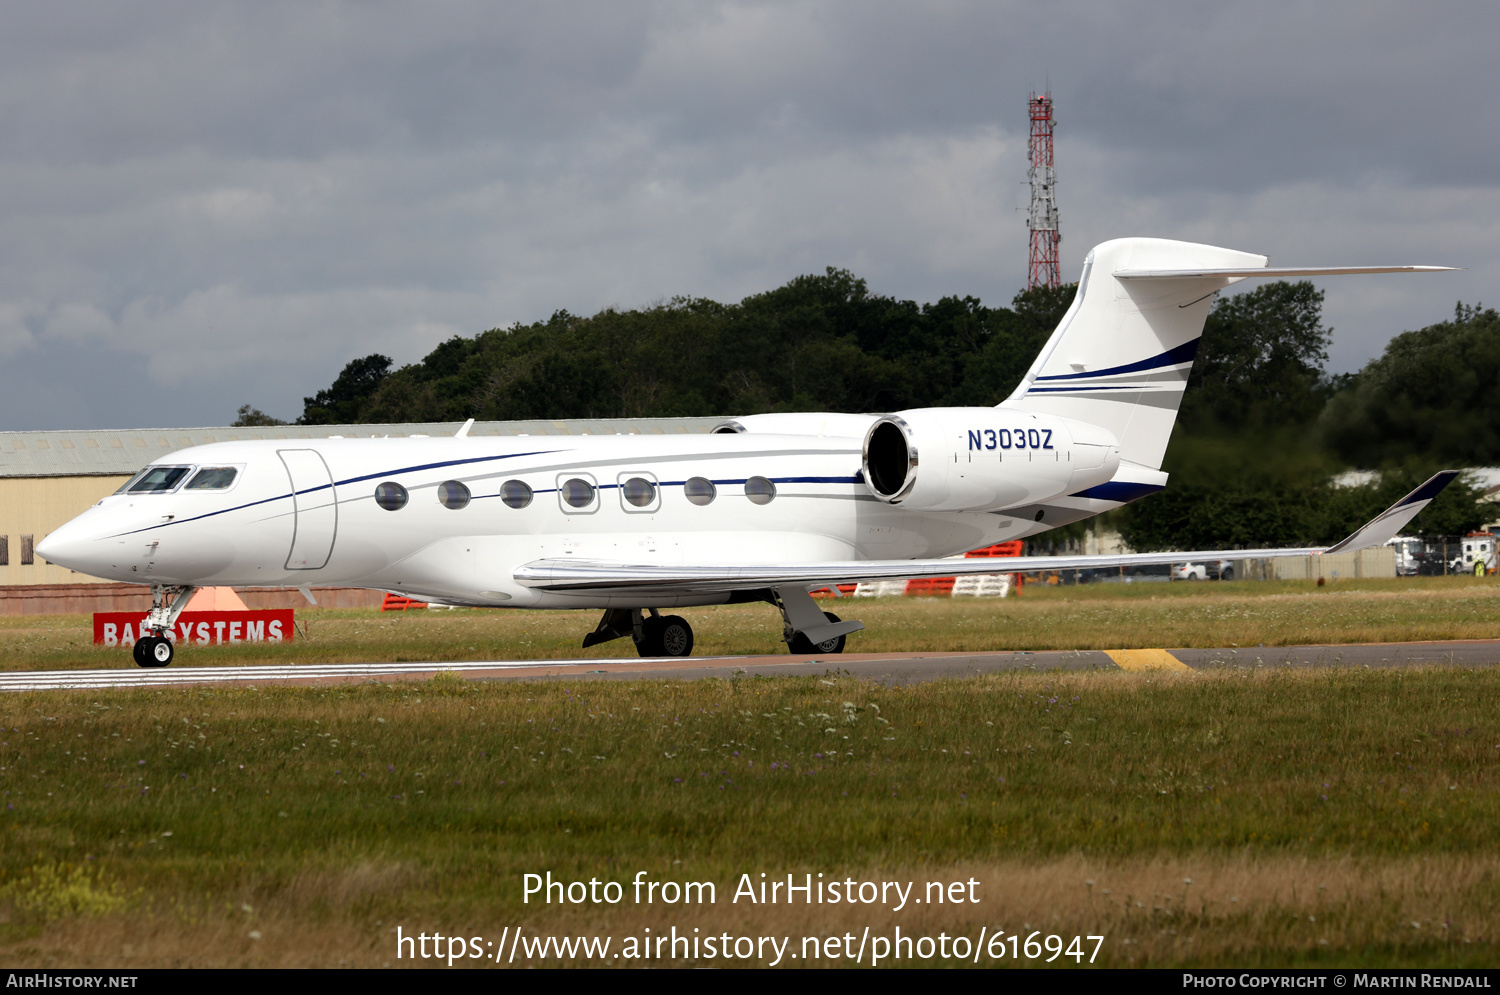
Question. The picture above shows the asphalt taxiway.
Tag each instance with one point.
(886, 668)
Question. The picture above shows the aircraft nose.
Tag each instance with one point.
(73, 547)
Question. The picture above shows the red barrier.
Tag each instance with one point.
(930, 587)
(396, 603)
(200, 628)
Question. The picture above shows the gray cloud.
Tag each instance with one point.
(207, 204)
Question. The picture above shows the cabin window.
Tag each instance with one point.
(453, 495)
(158, 479)
(515, 494)
(760, 490)
(577, 492)
(212, 478)
(638, 492)
(699, 490)
(391, 496)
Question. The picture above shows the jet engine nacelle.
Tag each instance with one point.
(983, 459)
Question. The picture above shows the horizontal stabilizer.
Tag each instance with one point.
(579, 576)
(1242, 272)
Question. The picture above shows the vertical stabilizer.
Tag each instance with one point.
(1121, 355)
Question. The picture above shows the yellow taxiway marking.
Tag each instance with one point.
(1138, 660)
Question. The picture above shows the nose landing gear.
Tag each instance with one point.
(156, 650)
(153, 651)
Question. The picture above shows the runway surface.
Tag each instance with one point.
(887, 668)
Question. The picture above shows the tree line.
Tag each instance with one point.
(1262, 433)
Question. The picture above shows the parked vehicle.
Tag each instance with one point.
(1215, 570)
(1434, 556)
(1478, 556)
(1410, 555)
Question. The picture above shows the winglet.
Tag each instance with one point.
(1386, 525)
(463, 432)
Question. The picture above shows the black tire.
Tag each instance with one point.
(138, 651)
(1227, 573)
(800, 645)
(650, 642)
(665, 635)
(676, 636)
(154, 651)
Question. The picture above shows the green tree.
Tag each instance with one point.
(1434, 394)
(249, 416)
(344, 401)
(819, 342)
(1261, 359)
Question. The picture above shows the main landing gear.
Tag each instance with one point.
(800, 645)
(156, 650)
(654, 634)
(807, 629)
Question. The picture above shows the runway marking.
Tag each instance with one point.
(54, 680)
(1143, 660)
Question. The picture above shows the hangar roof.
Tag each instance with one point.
(124, 451)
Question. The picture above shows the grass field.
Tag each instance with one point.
(1103, 616)
(1236, 818)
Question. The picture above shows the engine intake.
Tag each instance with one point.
(983, 459)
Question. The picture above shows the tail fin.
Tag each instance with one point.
(1121, 355)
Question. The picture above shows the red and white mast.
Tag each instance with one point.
(1042, 218)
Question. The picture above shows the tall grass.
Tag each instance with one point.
(320, 818)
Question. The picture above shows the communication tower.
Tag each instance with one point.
(1042, 218)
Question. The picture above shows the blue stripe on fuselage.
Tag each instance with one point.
(1182, 354)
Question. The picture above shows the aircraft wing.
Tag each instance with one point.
(570, 575)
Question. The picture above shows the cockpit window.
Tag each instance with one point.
(158, 479)
(212, 478)
(131, 482)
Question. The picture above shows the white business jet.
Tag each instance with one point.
(766, 508)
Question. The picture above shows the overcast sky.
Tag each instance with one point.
(209, 204)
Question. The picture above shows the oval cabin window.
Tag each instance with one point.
(699, 490)
(638, 491)
(515, 494)
(391, 496)
(578, 493)
(453, 494)
(760, 490)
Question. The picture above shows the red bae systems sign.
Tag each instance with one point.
(199, 628)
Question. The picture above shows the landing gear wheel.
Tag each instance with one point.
(800, 645)
(666, 635)
(153, 651)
